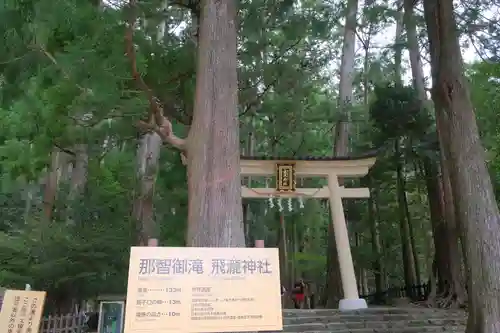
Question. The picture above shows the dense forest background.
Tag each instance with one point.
(81, 182)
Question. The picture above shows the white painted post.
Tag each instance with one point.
(351, 299)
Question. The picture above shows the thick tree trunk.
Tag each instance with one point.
(446, 245)
(341, 142)
(456, 288)
(470, 180)
(213, 145)
(341, 138)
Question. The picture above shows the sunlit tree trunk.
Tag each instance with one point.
(213, 152)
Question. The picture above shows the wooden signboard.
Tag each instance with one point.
(203, 290)
(285, 177)
(21, 311)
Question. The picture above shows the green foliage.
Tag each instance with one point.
(65, 81)
(397, 111)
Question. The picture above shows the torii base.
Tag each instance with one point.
(352, 304)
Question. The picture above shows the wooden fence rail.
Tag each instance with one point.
(69, 323)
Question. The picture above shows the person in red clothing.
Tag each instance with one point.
(298, 294)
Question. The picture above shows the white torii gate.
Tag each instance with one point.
(332, 169)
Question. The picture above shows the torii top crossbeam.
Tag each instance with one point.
(350, 166)
(287, 168)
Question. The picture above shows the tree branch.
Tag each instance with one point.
(64, 150)
(65, 74)
(156, 120)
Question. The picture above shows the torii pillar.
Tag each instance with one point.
(330, 168)
(351, 299)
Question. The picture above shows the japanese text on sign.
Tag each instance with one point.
(285, 177)
(170, 266)
(218, 266)
(203, 290)
(22, 311)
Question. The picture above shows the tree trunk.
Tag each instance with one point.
(341, 138)
(447, 258)
(294, 246)
(447, 255)
(414, 251)
(213, 146)
(76, 167)
(383, 247)
(247, 223)
(360, 269)
(333, 287)
(283, 253)
(80, 169)
(148, 156)
(375, 235)
(333, 292)
(398, 44)
(406, 245)
(470, 180)
(247, 211)
(455, 289)
(413, 50)
(410, 258)
(452, 226)
(437, 222)
(58, 162)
